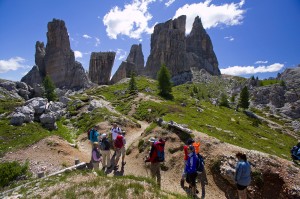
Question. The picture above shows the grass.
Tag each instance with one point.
(17, 137)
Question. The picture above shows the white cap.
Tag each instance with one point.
(103, 135)
(152, 139)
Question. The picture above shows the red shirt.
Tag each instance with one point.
(186, 155)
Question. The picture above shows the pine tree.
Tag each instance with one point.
(49, 89)
(132, 84)
(244, 98)
(224, 100)
(164, 82)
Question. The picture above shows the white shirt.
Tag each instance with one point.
(115, 132)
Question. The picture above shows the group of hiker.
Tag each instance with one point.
(101, 146)
(193, 171)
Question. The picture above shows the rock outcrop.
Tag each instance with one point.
(283, 99)
(180, 53)
(101, 64)
(57, 60)
(134, 63)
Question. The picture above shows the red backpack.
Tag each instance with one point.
(119, 142)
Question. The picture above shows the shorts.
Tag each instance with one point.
(120, 152)
(240, 187)
(191, 178)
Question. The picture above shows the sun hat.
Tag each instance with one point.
(152, 139)
(95, 143)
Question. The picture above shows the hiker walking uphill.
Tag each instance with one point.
(191, 170)
(120, 150)
(183, 177)
(156, 156)
(96, 156)
(295, 152)
(242, 175)
(105, 151)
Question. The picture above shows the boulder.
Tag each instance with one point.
(38, 104)
(22, 85)
(48, 121)
(64, 100)
(17, 119)
(100, 67)
(27, 111)
(97, 104)
(9, 85)
(24, 93)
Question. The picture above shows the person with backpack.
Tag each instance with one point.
(96, 156)
(156, 156)
(242, 175)
(115, 131)
(191, 170)
(202, 178)
(119, 144)
(105, 151)
(185, 147)
(295, 152)
(93, 135)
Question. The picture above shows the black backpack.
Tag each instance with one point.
(200, 163)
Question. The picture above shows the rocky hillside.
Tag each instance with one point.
(222, 131)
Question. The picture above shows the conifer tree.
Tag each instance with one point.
(244, 98)
(132, 83)
(164, 82)
(224, 100)
(49, 89)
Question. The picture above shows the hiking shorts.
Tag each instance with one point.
(191, 178)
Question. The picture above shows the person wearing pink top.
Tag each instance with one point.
(96, 156)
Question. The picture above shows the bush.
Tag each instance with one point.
(10, 171)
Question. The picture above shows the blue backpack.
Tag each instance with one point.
(200, 163)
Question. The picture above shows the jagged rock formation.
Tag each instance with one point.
(134, 63)
(57, 60)
(283, 99)
(180, 53)
(100, 67)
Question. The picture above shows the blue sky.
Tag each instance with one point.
(250, 37)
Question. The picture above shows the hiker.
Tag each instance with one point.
(153, 159)
(115, 131)
(242, 175)
(202, 178)
(295, 152)
(196, 144)
(185, 147)
(93, 135)
(191, 170)
(96, 156)
(105, 151)
(120, 149)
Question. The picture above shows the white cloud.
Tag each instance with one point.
(12, 64)
(121, 54)
(230, 38)
(261, 62)
(86, 36)
(97, 43)
(248, 70)
(77, 54)
(131, 21)
(170, 2)
(228, 14)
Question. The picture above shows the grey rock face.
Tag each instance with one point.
(40, 53)
(180, 53)
(33, 77)
(134, 63)
(9, 85)
(100, 67)
(59, 59)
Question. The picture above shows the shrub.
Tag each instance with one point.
(10, 171)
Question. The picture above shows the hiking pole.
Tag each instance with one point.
(146, 165)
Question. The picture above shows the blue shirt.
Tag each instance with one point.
(243, 173)
(191, 163)
(94, 136)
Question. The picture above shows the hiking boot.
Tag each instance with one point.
(123, 163)
(197, 191)
(182, 183)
